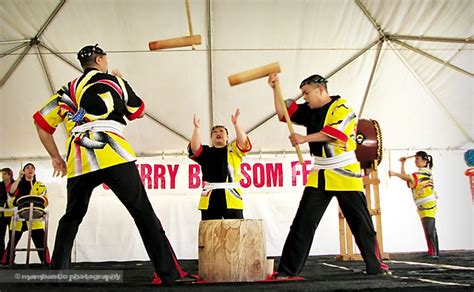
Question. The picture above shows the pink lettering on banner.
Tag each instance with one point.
(245, 180)
(145, 173)
(173, 170)
(269, 175)
(300, 170)
(159, 176)
(274, 174)
(258, 175)
(194, 178)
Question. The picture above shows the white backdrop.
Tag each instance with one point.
(108, 232)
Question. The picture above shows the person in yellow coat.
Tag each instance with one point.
(221, 197)
(330, 124)
(424, 196)
(27, 185)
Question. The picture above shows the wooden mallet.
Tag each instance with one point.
(263, 72)
(190, 40)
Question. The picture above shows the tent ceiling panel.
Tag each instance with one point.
(22, 19)
(423, 18)
(121, 25)
(19, 102)
(407, 114)
(284, 24)
(305, 37)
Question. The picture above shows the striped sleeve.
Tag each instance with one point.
(134, 105)
(48, 117)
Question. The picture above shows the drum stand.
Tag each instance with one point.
(30, 221)
(370, 180)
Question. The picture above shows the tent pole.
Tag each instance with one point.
(374, 67)
(347, 62)
(45, 69)
(61, 57)
(50, 18)
(357, 55)
(14, 42)
(210, 63)
(433, 58)
(450, 116)
(370, 17)
(283, 152)
(6, 53)
(432, 39)
(156, 120)
(13, 67)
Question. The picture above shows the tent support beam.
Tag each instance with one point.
(353, 58)
(45, 69)
(433, 58)
(436, 100)
(156, 120)
(61, 57)
(50, 18)
(344, 64)
(210, 62)
(175, 154)
(370, 17)
(432, 39)
(15, 65)
(14, 42)
(374, 68)
(6, 53)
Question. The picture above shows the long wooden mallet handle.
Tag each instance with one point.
(190, 24)
(175, 42)
(287, 118)
(262, 72)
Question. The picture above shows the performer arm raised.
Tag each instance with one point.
(242, 139)
(402, 174)
(196, 138)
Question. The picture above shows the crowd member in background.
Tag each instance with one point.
(221, 197)
(5, 216)
(330, 126)
(27, 185)
(424, 196)
(93, 108)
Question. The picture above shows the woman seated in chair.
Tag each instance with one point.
(27, 185)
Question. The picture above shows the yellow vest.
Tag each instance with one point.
(233, 196)
(424, 196)
(38, 189)
(340, 123)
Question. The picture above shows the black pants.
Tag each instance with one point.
(431, 235)
(37, 235)
(312, 206)
(215, 214)
(124, 180)
(4, 224)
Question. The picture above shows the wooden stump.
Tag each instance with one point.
(232, 250)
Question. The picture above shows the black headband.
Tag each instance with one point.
(313, 79)
(87, 51)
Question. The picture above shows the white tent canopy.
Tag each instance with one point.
(407, 64)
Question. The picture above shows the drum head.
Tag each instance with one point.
(369, 143)
(24, 213)
(26, 200)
